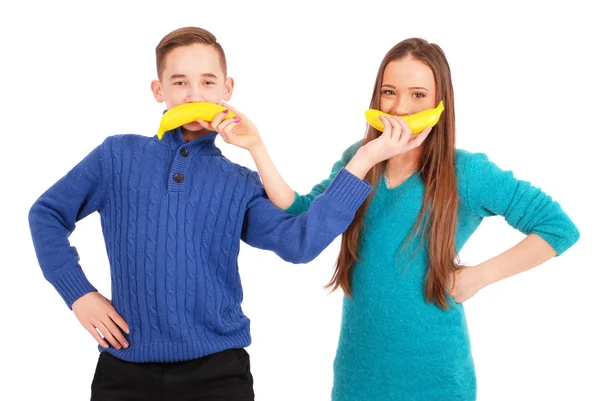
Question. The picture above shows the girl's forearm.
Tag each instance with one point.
(278, 191)
(527, 254)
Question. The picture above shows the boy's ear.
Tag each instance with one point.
(157, 91)
(228, 89)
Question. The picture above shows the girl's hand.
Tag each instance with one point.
(238, 131)
(467, 282)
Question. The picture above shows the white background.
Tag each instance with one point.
(526, 85)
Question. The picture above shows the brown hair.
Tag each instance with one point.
(437, 218)
(184, 37)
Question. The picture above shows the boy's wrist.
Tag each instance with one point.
(360, 164)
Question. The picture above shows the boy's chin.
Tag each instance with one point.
(194, 127)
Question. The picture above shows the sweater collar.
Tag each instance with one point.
(203, 145)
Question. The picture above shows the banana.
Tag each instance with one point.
(189, 112)
(417, 122)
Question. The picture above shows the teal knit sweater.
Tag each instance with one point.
(394, 345)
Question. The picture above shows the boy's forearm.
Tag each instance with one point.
(300, 239)
(527, 254)
(278, 191)
(360, 164)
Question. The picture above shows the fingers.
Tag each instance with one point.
(116, 334)
(205, 124)
(418, 141)
(92, 330)
(108, 335)
(237, 113)
(406, 132)
(226, 127)
(387, 126)
(115, 317)
(218, 118)
(395, 128)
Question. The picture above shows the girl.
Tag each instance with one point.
(403, 333)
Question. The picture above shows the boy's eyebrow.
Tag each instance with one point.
(411, 88)
(205, 75)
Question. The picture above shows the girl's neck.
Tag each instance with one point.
(405, 162)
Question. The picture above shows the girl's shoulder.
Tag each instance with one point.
(468, 163)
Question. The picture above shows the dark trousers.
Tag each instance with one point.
(224, 376)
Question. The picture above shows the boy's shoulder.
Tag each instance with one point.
(242, 171)
(129, 139)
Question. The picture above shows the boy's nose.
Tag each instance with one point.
(194, 95)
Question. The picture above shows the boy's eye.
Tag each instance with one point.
(179, 83)
(208, 83)
(388, 92)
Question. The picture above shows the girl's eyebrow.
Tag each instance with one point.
(411, 88)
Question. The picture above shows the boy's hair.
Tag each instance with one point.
(184, 37)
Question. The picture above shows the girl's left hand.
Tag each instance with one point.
(467, 282)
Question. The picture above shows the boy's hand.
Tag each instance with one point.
(238, 131)
(396, 139)
(95, 312)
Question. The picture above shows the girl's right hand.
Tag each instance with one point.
(396, 139)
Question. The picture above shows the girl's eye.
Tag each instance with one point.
(418, 94)
(388, 92)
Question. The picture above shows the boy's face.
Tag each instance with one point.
(192, 74)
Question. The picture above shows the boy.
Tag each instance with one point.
(173, 212)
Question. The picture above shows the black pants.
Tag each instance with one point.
(223, 376)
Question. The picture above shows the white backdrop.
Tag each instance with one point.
(526, 85)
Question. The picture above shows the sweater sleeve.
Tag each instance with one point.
(300, 239)
(302, 202)
(52, 219)
(493, 191)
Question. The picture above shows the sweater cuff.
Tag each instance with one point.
(560, 244)
(297, 207)
(348, 190)
(72, 285)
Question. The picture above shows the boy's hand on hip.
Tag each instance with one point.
(238, 131)
(96, 313)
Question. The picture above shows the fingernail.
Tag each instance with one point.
(225, 111)
(125, 344)
(237, 119)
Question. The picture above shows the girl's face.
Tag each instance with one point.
(408, 87)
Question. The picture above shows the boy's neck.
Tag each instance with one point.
(189, 136)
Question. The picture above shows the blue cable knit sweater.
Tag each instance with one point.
(173, 214)
(393, 345)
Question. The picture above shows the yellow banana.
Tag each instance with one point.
(417, 122)
(189, 112)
